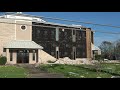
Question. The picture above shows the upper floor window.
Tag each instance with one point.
(74, 32)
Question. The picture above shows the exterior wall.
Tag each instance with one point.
(7, 32)
(71, 43)
(81, 44)
(31, 61)
(44, 57)
(88, 44)
(14, 58)
(23, 34)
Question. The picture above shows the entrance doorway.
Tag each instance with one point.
(23, 56)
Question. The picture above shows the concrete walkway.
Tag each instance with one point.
(35, 72)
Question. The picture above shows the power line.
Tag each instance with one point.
(81, 22)
(106, 32)
(108, 25)
(62, 27)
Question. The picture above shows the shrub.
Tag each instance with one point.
(98, 57)
(3, 60)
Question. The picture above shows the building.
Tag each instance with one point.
(30, 39)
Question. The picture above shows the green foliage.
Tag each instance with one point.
(3, 60)
(110, 50)
(107, 49)
(98, 57)
(13, 72)
(76, 71)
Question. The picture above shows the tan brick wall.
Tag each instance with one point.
(23, 34)
(88, 44)
(7, 32)
(14, 57)
(31, 59)
(44, 57)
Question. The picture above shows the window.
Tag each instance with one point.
(11, 54)
(23, 27)
(45, 32)
(73, 32)
(57, 55)
(52, 53)
(4, 50)
(79, 45)
(33, 55)
(38, 31)
(65, 53)
(65, 33)
(67, 45)
(52, 32)
(78, 53)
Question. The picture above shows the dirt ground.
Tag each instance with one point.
(35, 72)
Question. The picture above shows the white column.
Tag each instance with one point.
(30, 57)
(14, 57)
(8, 55)
(57, 34)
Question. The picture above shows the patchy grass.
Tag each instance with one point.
(12, 72)
(111, 67)
(72, 71)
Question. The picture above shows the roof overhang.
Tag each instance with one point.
(23, 44)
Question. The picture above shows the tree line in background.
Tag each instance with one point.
(110, 50)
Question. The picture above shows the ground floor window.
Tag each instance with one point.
(11, 55)
(33, 55)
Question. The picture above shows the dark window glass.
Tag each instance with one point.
(23, 27)
(73, 32)
(11, 56)
(4, 50)
(45, 32)
(52, 53)
(65, 53)
(33, 55)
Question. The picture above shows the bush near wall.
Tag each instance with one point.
(3, 60)
(98, 57)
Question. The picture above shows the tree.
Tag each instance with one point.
(117, 49)
(107, 49)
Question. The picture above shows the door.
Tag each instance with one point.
(23, 56)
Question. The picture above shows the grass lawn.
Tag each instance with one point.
(79, 71)
(111, 67)
(12, 72)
